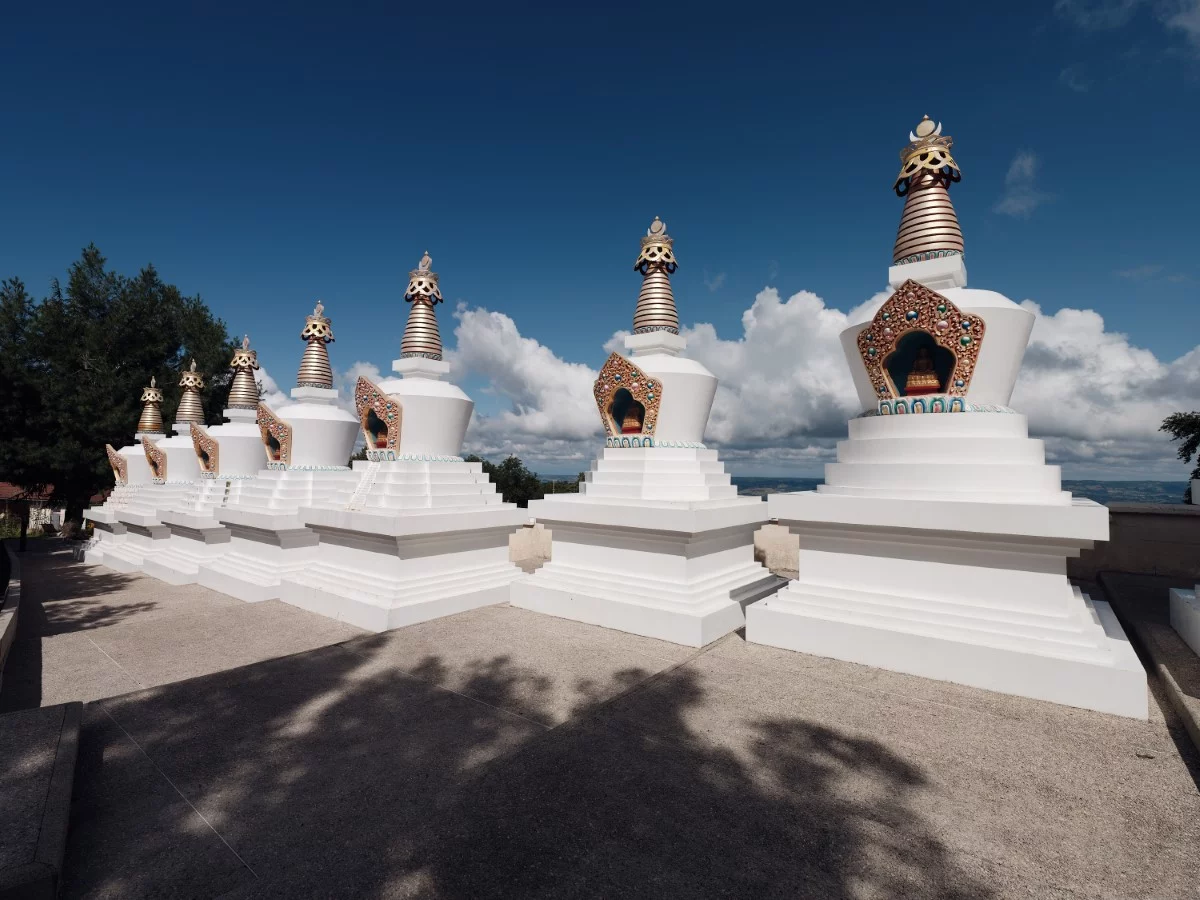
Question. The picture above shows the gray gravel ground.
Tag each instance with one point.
(500, 753)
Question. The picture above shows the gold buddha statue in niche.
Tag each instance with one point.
(631, 423)
(922, 379)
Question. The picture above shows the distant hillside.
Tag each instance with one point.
(1101, 491)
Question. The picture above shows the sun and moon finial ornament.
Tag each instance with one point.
(928, 226)
(421, 335)
(243, 393)
(315, 370)
(656, 301)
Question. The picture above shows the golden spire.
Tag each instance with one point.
(151, 419)
(656, 302)
(243, 393)
(190, 408)
(421, 337)
(928, 225)
(314, 365)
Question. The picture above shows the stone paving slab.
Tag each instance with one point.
(541, 667)
(87, 632)
(499, 753)
(38, 749)
(737, 770)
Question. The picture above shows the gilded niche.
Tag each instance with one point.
(380, 417)
(920, 343)
(627, 398)
(157, 460)
(119, 467)
(276, 438)
(208, 452)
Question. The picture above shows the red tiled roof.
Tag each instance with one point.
(14, 492)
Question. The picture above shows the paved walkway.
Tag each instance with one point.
(500, 753)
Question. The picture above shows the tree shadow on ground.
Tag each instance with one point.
(330, 773)
(58, 596)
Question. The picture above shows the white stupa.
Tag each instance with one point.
(229, 455)
(131, 473)
(938, 544)
(175, 472)
(657, 542)
(419, 533)
(302, 452)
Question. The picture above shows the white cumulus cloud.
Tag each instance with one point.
(1021, 195)
(785, 391)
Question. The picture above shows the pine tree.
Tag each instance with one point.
(72, 368)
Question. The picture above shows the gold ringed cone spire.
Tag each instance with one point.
(190, 407)
(151, 421)
(315, 370)
(421, 335)
(928, 226)
(656, 301)
(243, 393)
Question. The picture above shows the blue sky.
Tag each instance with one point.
(264, 160)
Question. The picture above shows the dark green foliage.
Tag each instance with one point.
(72, 368)
(1185, 427)
(519, 485)
(360, 453)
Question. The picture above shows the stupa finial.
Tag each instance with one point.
(315, 370)
(190, 408)
(150, 421)
(243, 393)
(928, 226)
(656, 301)
(421, 335)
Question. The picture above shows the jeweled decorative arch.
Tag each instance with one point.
(617, 373)
(271, 426)
(204, 444)
(368, 398)
(157, 460)
(119, 466)
(914, 307)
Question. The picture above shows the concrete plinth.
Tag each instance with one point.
(1185, 617)
(982, 600)
(194, 541)
(263, 548)
(683, 573)
(379, 571)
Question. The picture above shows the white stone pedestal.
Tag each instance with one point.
(145, 535)
(264, 546)
(938, 548)
(1185, 615)
(408, 541)
(383, 571)
(196, 538)
(658, 544)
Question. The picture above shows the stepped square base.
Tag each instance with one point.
(195, 539)
(1185, 616)
(257, 557)
(105, 536)
(389, 571)
(679, 572)
(974, 593)
(141, 543)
